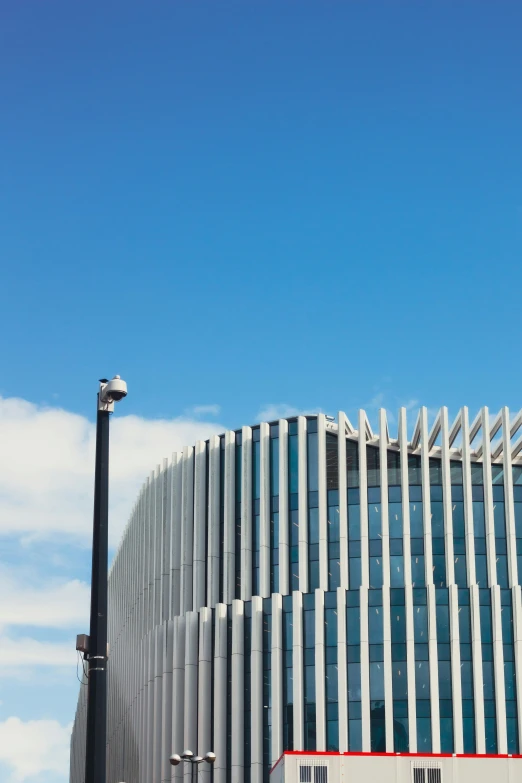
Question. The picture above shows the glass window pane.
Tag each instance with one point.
(416, 524)
(399, 680)
(446, 735)
(331, 682)
(313, 464)
(422, 679)
(354, 682)
(376, 681)
(355, 734)
(293, 476)
(445, 680)
(418, 574)
(424, 735)
(397, 571)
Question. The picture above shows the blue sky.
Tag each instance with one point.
(243, 205)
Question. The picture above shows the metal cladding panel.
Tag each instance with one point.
(200, 532)
(297, 652)
(342, 668)
(507, 464)
(426, 499)
(320, 696)
(277, 677)
(167, 706)
(365, 671)
(238, 691)
(229, 532)
(178, 690)
(177, 484)
(303, 503)
(363, 503)
(468, 499)
(256, 665)
(343, 500)
(220, 693)
(173, 678)
(246, 513)
(213, 522)
(323, 520)
(205, 689)
(187, 530)
(264, 511)
(284, 543)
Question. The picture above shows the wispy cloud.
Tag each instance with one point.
(203, 410)
(273, 411)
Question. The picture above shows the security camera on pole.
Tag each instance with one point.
(95, 646)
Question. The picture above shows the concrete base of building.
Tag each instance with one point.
(310, 767)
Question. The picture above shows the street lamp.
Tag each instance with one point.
(96, 645)
(187, 755)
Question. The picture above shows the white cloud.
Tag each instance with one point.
(204, 410)
(274, 411)
(17, 655)
(34, 747)
(62, 605)
(47, 466)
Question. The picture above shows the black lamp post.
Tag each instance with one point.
(96, 656)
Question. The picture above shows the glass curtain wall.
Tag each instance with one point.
(444, 668)
(256, 494)
(247, 641)
(399, 670)
(274, 508)
(459, 530)
(288, 674)
(517, 492)
(499, 519)
(376, 639)
(221, 513)
(313, 504)
(353, 655)
(331, 671)
(333, 522)
(466, 672)
(354, 515)
(488, 672)
(422, 670)
(509, 670)
(267, 686)
(479, 524)
(437, 524)
(418, 573)
(309, 671)
(293, 505)
(237, 553)
(374, 516)
(395, 519)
